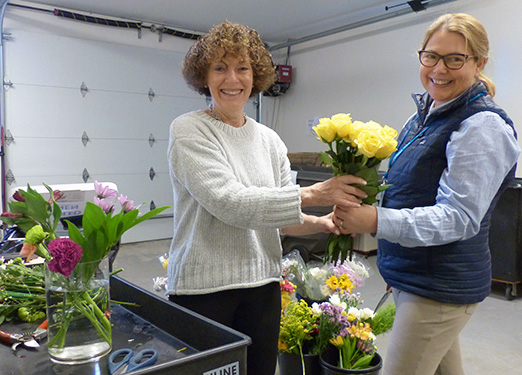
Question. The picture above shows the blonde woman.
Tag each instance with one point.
(455, 157)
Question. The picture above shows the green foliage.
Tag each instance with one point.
(383, 319)
(35, 210)
(101, 232)
(21, 288)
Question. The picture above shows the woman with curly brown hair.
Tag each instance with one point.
(233, 193)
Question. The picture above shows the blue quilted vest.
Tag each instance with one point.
(458, 272)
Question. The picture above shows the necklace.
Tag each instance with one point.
(216, 116)
(211, 109)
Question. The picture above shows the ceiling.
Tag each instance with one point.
(276, 21)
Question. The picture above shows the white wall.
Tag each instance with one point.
(46, 60)
(371, 71)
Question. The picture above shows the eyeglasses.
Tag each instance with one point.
(453, 61)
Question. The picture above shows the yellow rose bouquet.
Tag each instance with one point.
(355, 148)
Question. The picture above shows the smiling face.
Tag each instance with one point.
(230, 81)
(444, 84)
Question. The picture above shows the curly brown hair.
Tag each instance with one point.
(232, 39)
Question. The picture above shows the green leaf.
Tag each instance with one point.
(363, 362)
(93, 218)
(23, 223)
(149, 215)
(18, 207)
(326, 159)
(371, 175)
(332, 247)
(346, 245)
(129, 219)
(75, 234)
(56, 210)
(37, 206)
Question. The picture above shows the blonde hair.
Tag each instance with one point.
(233, 39)
(473, 32)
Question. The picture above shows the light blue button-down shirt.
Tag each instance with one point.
(480, 154)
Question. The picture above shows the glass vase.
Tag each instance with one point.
(78, 326)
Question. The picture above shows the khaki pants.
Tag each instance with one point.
(425, 337)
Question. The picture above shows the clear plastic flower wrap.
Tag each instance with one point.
(316, 276)
(294, 269)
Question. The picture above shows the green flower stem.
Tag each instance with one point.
(84, 303)
(59, 339)
(126, 303)
(98, 312)
(88, 311)
(115, 272)
(25, 295)
(30, 291)
(43, 252)
(302, 359)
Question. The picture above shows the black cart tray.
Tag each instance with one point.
(187, 343)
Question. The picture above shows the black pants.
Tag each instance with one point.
(255, 312)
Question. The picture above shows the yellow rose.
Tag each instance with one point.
(325, 130)
(389, 131)
(389, 146)
(368, 142)
(373, 126)
(357, 127)
(343, 124)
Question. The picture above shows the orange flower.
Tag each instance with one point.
(28, 251)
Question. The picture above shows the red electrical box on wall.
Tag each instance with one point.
(284, 73)
(284, 78)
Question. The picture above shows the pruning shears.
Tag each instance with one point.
(30, 340)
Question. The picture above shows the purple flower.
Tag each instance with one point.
(66, 254)
(335, 313)
(104, 191)
(126, 204)
(106, 206)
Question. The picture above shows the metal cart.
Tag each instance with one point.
(505, 239)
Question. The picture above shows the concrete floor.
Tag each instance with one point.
(491, 342)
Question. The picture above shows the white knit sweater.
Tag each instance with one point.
(232, 191)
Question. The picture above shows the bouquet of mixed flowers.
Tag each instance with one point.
(74, 260)
(339, 319)
(344, 324)
(316, 281)
(341, 322)
(355, 148)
